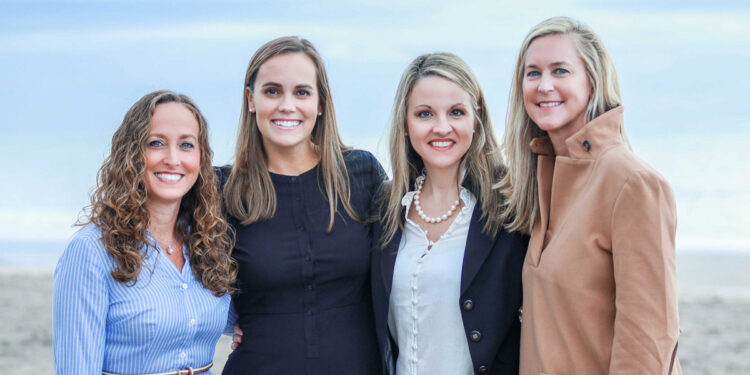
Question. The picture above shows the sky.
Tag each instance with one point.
(69, 70)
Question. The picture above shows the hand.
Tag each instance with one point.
(236, 337)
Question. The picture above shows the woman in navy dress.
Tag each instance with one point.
(446, 275)
(298, 200)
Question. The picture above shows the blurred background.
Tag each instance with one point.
(69, 70)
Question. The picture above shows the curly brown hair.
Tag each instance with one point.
(118, 205)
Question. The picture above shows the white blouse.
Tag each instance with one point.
(424, 316)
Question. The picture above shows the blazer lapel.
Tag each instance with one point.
(388, 261)
(478, 246)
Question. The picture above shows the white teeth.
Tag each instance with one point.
(549, 104)
(441, 143)
(287, 124)
(168, 176)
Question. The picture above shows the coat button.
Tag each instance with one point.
(475, 335)
(482, 369)
(468, 305)
(586, 145)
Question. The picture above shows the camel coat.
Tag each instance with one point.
(599, 279)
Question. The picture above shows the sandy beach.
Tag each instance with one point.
(715, 330)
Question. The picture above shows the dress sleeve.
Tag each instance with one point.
(79, 309)
(643, 253)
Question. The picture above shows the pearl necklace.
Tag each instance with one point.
(418, 206)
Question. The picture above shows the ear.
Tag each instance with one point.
(249, 96)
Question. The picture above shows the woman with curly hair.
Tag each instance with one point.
(145, 286)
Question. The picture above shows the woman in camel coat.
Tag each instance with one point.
(599, 279)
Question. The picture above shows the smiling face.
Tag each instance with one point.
(556, 89)
(285, 101)
(172, 154)
(440, 122)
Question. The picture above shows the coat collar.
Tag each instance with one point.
(589, 142)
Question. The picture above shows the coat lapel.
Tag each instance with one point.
(478, 246)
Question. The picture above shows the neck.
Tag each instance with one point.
(441, 183)
(292, 161)
(162, 219)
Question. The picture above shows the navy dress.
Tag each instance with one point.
(305, 304)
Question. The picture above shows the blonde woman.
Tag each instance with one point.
(144, 287)
(298, 198)
(599, 285)
(446, 275)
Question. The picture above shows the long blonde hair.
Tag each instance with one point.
(249, 194)
(118, 205)
(481, 162)
(520, 183)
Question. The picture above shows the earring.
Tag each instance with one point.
(251, 110)
(320, 113)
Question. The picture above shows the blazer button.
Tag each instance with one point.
(586, 145)
(468, 305)
(482, 369)
(475, 335)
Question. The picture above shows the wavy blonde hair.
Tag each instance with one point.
(249, 194)
(118, 205)
(520, 183)
(481, 162)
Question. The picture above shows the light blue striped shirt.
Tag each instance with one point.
(164, 322)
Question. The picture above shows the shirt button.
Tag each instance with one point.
(414, 287)
(192, 321)
(183, 355)
(301, 229)
(308, 258)
(414, 302)
(184, 286)
(482, 369)
(294, 179)
(309, 287)
(309, 312)
(468, 305)
(475, 335)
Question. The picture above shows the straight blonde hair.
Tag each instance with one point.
(249, 194)
(482, 162)
(520, 183)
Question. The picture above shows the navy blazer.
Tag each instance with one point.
(490, 296)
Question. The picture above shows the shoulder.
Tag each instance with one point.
(363, 164)
(623, 166)
(222, 174)
(85, 249)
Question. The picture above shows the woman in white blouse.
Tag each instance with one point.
(445, 274)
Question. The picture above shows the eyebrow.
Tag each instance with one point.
(556, 63)
(276, 84)
(182, 136)
(454, 105)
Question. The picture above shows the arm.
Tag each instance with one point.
(643, 253)
(79, 309)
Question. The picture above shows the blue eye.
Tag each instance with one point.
(457, 113)
(155, 143)
(270, 91)
(533, 73)
(187, 145)
(424, 114)
(560, 71)
(303, 92)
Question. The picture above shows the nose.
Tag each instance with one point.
(546, 83)
(172, 157)
(287, 103)
(442, 126)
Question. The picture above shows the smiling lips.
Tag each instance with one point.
(442, 144)
(549, 104)
(287, 124)
(169, 178)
